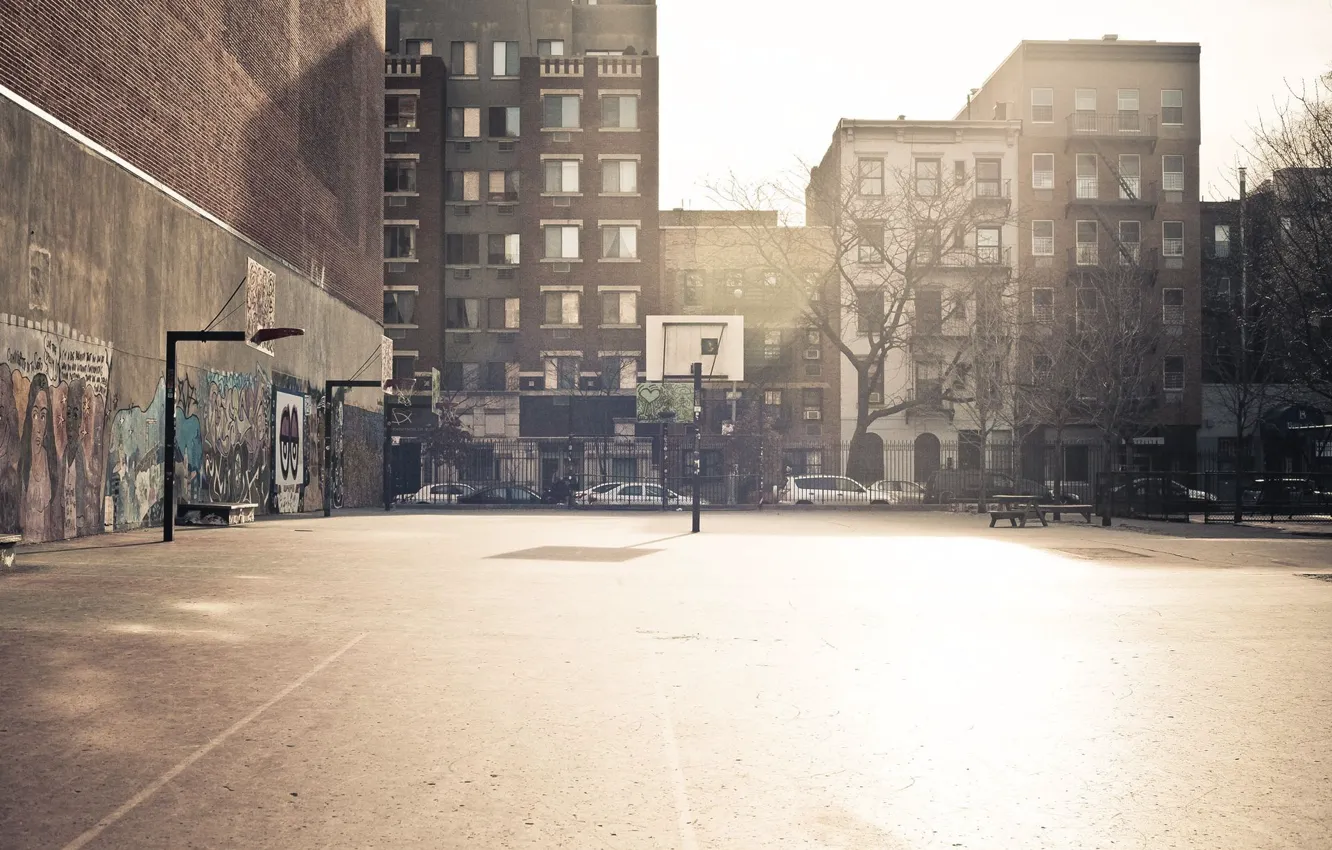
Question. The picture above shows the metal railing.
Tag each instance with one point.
(1126, 124)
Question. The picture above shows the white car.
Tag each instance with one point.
(584, 496)
(438, 494)
(894, 492)
(639, 494)
(823, 490)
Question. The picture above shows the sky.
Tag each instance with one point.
(756, 88)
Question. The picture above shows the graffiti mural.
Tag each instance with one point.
(134, 466)
(222, 427)
(288, 450)
(53, 404)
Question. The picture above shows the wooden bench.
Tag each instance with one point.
(1014, 517)
(7, 544)
(1085, 510)
(215, 513)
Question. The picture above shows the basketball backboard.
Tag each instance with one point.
(260, 303)
(675, 343)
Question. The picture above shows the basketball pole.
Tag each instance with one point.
(697, 370)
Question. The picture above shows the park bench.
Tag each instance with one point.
(215, 513)
(1017, 509)
(8, 542)
(1085, 510)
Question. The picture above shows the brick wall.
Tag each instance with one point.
(267, 113)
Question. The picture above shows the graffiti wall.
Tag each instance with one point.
(288, 451)
(53, 388)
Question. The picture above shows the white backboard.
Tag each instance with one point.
(675, 343)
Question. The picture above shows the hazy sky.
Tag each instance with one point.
(750, 86)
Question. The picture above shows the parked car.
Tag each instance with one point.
(1284, 492)
(640, 494)
(963, 485)
(822, 490)
(437, 494)
(504, 494)
(1162, 490)
(585, 494)
(896, 492)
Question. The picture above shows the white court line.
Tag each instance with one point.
(684, 814)
(130, 804)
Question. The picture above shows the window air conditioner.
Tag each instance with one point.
(462, 147)
(811, 415)
(813, 353)
(876, 398)
(507, 147)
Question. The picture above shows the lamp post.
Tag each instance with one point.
(327, 476)
(169, 414)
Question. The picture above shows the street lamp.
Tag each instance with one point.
(169, 414)
(328, 436)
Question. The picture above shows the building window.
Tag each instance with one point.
(693, 289)
(1042, 238)
(927, 177)
(869, 242)
(619, 176)
(772, 345)
(929, 311)
(404, 369)
(1042, 171)
(462, 313)
(462, 249)
(550, 47)
(495, 381)
(1172, 306)
(1128, 111)
(504, 122)
(561, 241)
(1130, 176)
(1172, 238)
(989, 247)
(560, 110)
(619, 242)
(1042, 106)
(929, 381)
(502, 186)
(988, 178)
(1130, 242)
(400, 111)
(502, 249)
(399, 175)
(959, 172)
(1172, 173)
(399, 241)
(506, 59)
(869, 311)
(1084, 100)
(1173, 373)
(1087, 241)
(1172, 106)
(1042, 366)
(561, 308)
(1088, 308)
(562, 373)
(462, 186)
(619, 308)
(502, 313)
(420, 47)
(619, 373)
(811, 398)
(399, 307)
(1087, 183)
(772, 398)
(870, 172)
(620, 110)
(464, 122)
(1221, 241)
(1223, 287)
(462, 58)
(561, 176)
(1042, 305)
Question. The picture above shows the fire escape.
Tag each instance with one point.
(1128, 133)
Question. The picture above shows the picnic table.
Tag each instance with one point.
(1017, 509)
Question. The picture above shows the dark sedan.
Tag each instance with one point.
(504, 494)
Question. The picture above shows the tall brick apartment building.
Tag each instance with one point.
(1108, 168)
(171, 166)
(550, 241)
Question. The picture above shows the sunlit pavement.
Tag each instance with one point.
(785, 679)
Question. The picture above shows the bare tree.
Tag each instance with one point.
(871, 243)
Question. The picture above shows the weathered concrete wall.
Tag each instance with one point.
(96, 264)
